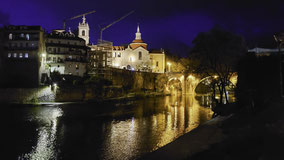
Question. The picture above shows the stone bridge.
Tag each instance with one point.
(189, 81)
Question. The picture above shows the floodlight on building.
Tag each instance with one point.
(190, 76)
(169, 64)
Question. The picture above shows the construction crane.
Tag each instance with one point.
(81, 15)
(119, 19)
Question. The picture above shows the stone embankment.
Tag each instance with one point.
(49, 94)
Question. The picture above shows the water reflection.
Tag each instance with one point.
(127, 139)
(108, 130)
(46, 140)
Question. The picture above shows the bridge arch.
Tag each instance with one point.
(189, 82)
(175, 80)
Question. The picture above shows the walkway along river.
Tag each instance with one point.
(101, 130)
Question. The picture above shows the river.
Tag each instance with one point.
(105, 130)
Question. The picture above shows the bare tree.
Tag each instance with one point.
(217, 53)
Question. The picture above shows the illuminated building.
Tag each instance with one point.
(67, 53)
(133, 57)
(83, 31)
(100, 57)
(265, 51)
(23, 58)
(158, 61)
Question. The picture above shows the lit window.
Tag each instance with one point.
(9, 55)
(140, 55)
(10, 36)
(77, 66)
(15, 55)
(22, 35)
(21, 55)
(118, 54)
(26, 55)
(27, 36)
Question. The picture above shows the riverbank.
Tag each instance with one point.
(197, 140)
(49, 94)
(242, 136)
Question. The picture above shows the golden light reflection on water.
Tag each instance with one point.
(177, 116)
(46, 141)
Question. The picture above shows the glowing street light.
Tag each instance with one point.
(169, 64)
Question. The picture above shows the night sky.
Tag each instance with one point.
(164, 24)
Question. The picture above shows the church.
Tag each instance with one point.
(137, 57)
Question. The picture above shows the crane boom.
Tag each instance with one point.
(84, 14)
(119, 19)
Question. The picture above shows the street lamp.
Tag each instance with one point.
(279, 37)
(169, 64)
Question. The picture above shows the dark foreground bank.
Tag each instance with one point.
(255, 135)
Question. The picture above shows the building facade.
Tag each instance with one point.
(83, 31)
(23, 60)
(66, 53)
(158, 61)
(133, 57)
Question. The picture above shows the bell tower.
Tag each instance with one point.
(83, 30)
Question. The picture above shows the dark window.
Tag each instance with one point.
(83, 33)
(140, 55)
(157, 63)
